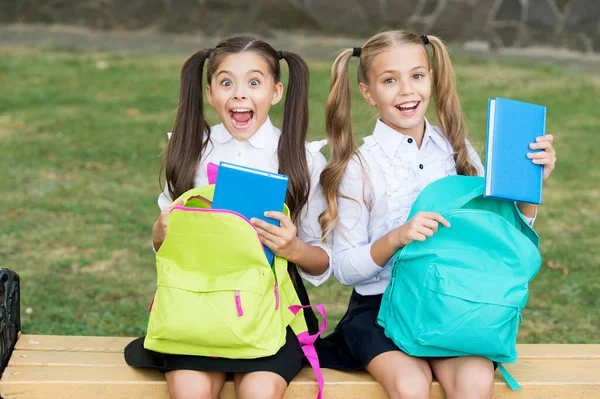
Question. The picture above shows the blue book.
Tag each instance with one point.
(511, 127)
(250, 192)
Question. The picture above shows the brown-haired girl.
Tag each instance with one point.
(370, 191)
(243, 82)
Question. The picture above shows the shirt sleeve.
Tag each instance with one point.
(309, 229)
(352, 262)
(164, 199)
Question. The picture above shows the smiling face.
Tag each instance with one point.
(399, 85)
(242, 90)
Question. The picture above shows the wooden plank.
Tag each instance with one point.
(72, 343)
(559, 351)
(93, 367)
(119, 391)
(23, 358)
(527, 372)
(121, 383)
(117, 344)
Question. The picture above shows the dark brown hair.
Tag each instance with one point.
(338, 124)
(191, 133)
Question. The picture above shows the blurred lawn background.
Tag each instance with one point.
(82, 138)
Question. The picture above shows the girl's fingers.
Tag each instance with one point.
(271, 232)
(549, 160)
(271, 228)
(269, 244)
(546, 137)
(430, 224)
(435, 216)
(539, 155)
(440, 219)
(264, 234)
(542, 145)
(280, 216)
(426, 231)
(419, 237)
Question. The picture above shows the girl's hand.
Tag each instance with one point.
(419, 228)
(282, 239)
(547, 157)
(159, 230)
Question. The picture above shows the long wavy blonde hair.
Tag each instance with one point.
(338, 123)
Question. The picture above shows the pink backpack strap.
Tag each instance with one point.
(151, 303)
(307, 343)
(211, 171)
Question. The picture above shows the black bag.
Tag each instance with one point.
(10, 314)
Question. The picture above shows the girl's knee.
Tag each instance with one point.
(411, 386)
(184, 384)
(475, 384)
(264, 391)
(264, 387)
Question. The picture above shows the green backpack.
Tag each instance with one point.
(461, 291)
(216, 293)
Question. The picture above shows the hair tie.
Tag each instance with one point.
(208, 52)
(424, 39)
(356, 52)
(280, 55)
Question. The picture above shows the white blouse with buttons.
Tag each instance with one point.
(260, 152)
(392, 174)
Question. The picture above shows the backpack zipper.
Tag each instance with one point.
(238, 303)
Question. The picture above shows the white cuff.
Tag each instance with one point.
(315, 280)
(364, 263)
(530, 220)
(527, 218)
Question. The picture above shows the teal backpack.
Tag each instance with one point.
(461, 291)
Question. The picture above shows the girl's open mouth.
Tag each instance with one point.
(241, 118)
(408, 108)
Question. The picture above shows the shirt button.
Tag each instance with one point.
(421, 166)
(410, 141)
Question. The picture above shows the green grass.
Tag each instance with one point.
(82, 136)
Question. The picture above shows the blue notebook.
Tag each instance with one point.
(250, 192)
(511, 127)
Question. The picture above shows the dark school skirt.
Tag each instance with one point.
(287, 362)
(358, 338)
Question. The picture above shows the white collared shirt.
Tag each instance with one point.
(260, 152)
(392, 174)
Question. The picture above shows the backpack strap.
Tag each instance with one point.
(211, 172)
(307, 343)
(464, 189)
(512, 383)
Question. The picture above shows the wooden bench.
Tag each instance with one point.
(46, 366)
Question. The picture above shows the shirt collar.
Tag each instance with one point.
(387, 138)
(435, 135)
(260, 139)
(390, 140)
(266, 134)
